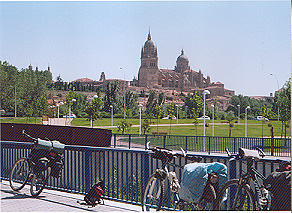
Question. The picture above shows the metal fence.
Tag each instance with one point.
(124, 171)
(280, 147)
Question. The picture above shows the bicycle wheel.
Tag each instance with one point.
(153, 194)
(19, 174)
(39, 181)
(208, 203)
(233, 197)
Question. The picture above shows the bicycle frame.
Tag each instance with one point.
(252, 175)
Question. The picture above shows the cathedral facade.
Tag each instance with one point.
(181, 78)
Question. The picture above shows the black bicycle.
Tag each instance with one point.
(45, 160)
(154, 191)
(237, 194)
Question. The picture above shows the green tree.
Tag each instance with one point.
(93, 108)
(124, 126)
(284, 103)
(8, 83)
(194, 103)
(145, 126)
(229, 119)
(111, 97)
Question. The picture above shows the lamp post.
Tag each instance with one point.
(140, 111)
(248, 107)
(124, 93)
(58, 105)
(206, 92)
(95, 96)
(238, 113)
(73, 100)
(213, 118)
(275, 93)
(112, 119)
(176, 114)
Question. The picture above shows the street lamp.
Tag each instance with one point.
(124, 93)
(58, 105)
(95, 96)
(176, 114)
(248, 107)
(238, 113)
(73, 100)
(278, 90)
(206, 92)
(140, 111)
(213, 117)
(112, 115)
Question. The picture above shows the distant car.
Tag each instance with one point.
(202, 118)
(260, 118)
(71, 116)
(165, 118)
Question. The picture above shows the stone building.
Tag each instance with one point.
(181, 78)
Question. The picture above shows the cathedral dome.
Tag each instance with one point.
(182, 57)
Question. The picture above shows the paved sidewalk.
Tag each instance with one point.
(53, 201)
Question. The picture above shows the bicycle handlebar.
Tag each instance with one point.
(238, 156)
(27, 135)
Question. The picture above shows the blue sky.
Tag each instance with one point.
(238, 43)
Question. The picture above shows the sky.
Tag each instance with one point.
(238, 43)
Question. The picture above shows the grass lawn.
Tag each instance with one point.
(221, 128)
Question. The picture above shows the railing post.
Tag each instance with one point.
(234, 145)
(129, 141)
(146, 142)
(164, 141)
(145, 171)
(232, 169)
(186, 143)
(87, 165)
(115, 140)
(209, 146)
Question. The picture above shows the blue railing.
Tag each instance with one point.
(124, 171)
(272, 146)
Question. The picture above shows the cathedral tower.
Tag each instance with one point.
(148, 72)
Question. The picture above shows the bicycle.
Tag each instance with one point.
(237, 194)
(45, 160)
(154, 190)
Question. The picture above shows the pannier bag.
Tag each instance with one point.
(57, 168)
(279, 184)
(195, 177)
(55, 146)
(95, 194)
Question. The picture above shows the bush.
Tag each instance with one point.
(119, 116)
(105, 115)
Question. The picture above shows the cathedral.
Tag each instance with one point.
(181, 78)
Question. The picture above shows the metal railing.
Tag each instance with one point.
(280, 147)
(124, 171)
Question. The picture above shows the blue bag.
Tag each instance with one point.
(195, 177)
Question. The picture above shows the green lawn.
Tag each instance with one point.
(221, 129)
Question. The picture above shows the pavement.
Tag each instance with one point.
(54, 201)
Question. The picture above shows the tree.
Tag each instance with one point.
(111, 98)
(171, 113)
(145, 126)
(8, 83)
(158, 113)
(194, 103)
(124, 126)
(229, 119)
(93, 108)
(284, 103)
(131, 103)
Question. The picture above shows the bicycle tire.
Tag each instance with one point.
(39, 181)
(208, 206)
(19, 174)
(153, 194)
(245, 197)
